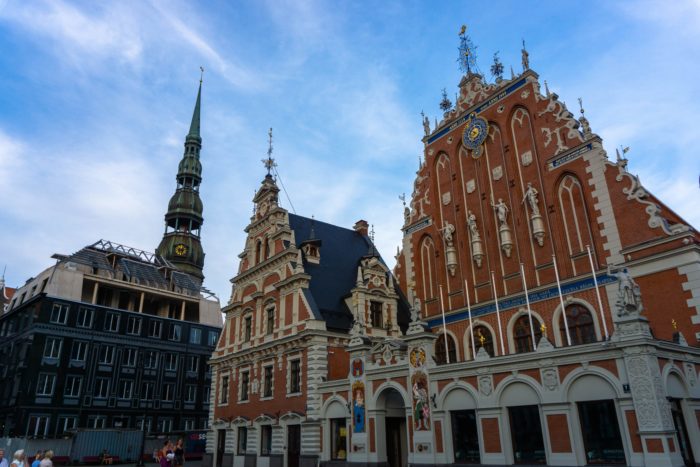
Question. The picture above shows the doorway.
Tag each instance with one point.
(465, 438)
(526, 433)
(395, 441)
(601, 432)
(682, 432)
(293, 445)
(220, 447)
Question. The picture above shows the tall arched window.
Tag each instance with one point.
(574, 215)
(427, 261)
(580, 323)
(258, 252)
(483, 338)
(441, 353)
(522, 335)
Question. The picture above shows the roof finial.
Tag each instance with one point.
(269, 163)
(585, 126)
(525, 57)
(546, 88)
(201, 74)
(312, 234)
(445, 103)
(467, 53)
(497, 68)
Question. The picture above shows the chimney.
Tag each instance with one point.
(361, 227)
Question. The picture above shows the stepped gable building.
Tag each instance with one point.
(300, 287)
(112, 335)
(555, 311)
(6, 294)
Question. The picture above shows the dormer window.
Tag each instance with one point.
(312, 251)
(376, 314)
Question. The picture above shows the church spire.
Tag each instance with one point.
(181, 244)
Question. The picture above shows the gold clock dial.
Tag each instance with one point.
(180, 249)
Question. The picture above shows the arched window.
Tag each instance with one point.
(441, 353)
(580, 323)
(522, 336)
(483, 338)
(574, 215)
(428, 271)
(258, 252)
(270, 248)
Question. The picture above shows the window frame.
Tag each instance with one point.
(131, 329)
(102, 387)
(83, 313)
(268, 381)
(62, 310)
(295, 383)
(104, 351)
(83, 347)
(56, 346)
(224, 390)
(41, 384)
(70, 383)
(109, 324)
(245, 386)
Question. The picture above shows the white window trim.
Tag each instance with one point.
(290, 359)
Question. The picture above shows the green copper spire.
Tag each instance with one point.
(194, 126)
(181, 244)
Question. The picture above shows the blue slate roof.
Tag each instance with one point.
(335, 276)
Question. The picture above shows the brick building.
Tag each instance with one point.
(555, 311)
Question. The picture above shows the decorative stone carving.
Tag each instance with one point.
(525, 94)
(477, 244)
(485, 385)
(536, 221)
(416, 326)
(450, 250)
(550, 378)
(690, 373)
(526, 158)
(497, 172)
(446, 198)
(650, 404)
(471, 186)
(504, 234)
(629, 298)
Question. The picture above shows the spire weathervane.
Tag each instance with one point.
(201, 74)
(269, 163)
(467, 53)
(497, 68)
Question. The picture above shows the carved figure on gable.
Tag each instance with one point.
(501, 211)
(629, 297)
(447, 232)
(525, 57)
(531, 198)
(426, 124)
(471, 222)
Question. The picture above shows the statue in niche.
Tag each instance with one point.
(415, 310)
(501, 211)
(531, 197)
(447, 232)
(471, 222)
(629, 297)
(426, 124)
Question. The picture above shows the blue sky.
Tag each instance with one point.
(97, 96)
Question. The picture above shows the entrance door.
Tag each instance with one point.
(526, 432)
(220, 447)
(682, 433)
(293, 445)
(601, 432)
(465, 438)
(395, 441)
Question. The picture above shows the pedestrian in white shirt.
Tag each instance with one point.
(18, 458)
(3, 461)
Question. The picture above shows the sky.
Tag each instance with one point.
(97, 98)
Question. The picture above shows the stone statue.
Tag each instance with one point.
(426, 125)
(526, 58)
(531, 198)
(415, 310)
(629, 298)
(447, 232)
(501, 211)
(471, 222)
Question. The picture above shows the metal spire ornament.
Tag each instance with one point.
(467, 53)
(269, 163)
(497, 68)
(445, 103)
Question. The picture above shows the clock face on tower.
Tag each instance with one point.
(180, 249)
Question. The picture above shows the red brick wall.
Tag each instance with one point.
(635, 439)
(654, 445)
(559, 433)
(338, 363)
(492, 437)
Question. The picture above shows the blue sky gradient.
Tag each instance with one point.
(97, 98)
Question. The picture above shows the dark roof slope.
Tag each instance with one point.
(335, 276)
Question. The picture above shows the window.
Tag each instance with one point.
(375, 311)
(270, 320)
(112, 322)
(165, 424)
(72, 386)
(192, 363)
(97, 421)
(248, 328)
(601, 432)
(78, 352)
(175, 332)
(245, 377)
(223, 395)
(106, 355)
(84, 319)
(205, 394)
(265, 440)
(242, 440)
(45, 384)
(155, 328)
(133, 325)
(126, 389)
(59, 313)
(267, 388)
(171, 361)
(147, 391)
(580, 324)
(151, 360)
(190, 393)
(38, 425)
(101, 388)
(339, 435)
(149, 423)
(195, 336)
(441, 352)
(483, 338)
(465, 437)
(213, 337)
(522, 335)
(295, 376)
(188, 424)
(168, 392)
(52, 347)
(66, 424)
(129, 357)
(428, 268)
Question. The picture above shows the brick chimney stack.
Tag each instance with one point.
(361, 227)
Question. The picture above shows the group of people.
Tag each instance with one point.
(19, 459)
(171, 455)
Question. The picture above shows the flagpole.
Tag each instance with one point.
(444, 326)
(527, 301)
(597, 292)
(469, 312)
(498, 313)
(561, 300)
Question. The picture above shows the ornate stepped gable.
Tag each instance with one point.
(539, 184)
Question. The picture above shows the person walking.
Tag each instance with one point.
(46, 461)
(18, 458)
(180, 453)
(3, 461)
(37, 458)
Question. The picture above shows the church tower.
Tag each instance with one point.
(181, 244)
